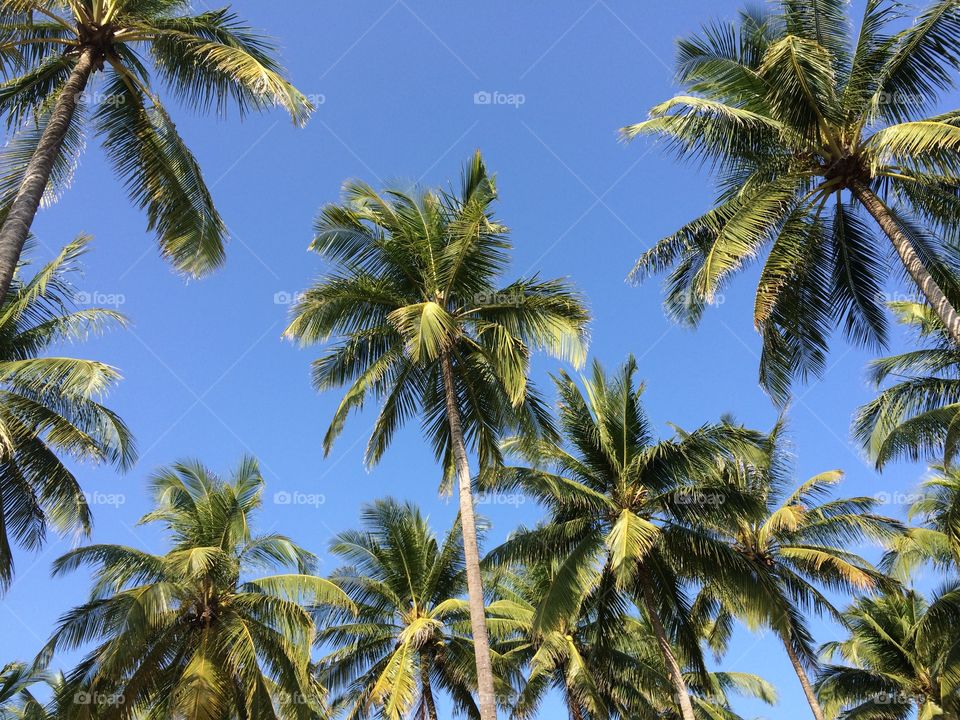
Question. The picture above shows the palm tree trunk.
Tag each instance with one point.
(804, 680)
(426, 688)
(16, 227)
(908, 255)
(676, 674)
(471, 550)
(574, 706)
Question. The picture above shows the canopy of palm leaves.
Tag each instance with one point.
(628, 511)
(792, 110)
(936, 539)
(50, 408)
(602, 660)
(918, 416)
(893, 669)
(410, 636)
(205, 61)
(802, 544)
(189, 633)
(416, 277)
(17, 698)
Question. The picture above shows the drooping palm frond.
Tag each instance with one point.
(50, 408)
(917, 416)
(208, 61)
(409, 637)
(189, 633)
(892, 668)
(627, 512)
(810, 126)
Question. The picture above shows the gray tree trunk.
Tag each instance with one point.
(673, 667)
(804, 681)
(16, 227)
(478, 622)
(908, 255)
(427, 689)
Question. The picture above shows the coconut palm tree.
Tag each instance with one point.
(624, 505)
(891, 670)
(17, 699)
(814, 131)
(915, 417)
(190, 634)
(51, 54)
(601, 659)
(50, 408)
(410, 636)
(801, 545)
(936, 540)
(422, 324)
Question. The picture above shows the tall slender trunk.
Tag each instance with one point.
(426, 688)
(673, 667)
(908, 255)
(804, 680)
(16, 226)
(471, 550)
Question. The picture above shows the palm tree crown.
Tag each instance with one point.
(410, 636)
(188, 633)
(915, 416)
(801, 544)
(424, 326)
(50, 408)
(894, 669)
(808, 131)
(50, 50)
(631, 511)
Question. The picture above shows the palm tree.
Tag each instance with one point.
(627, 510)
(422, 325)
(801, 545)
(51, 52)
(188, 633)
(409, 637)
(602, 660)
(916, 416)
(937, 538)
(891, 670)
(50, 408)
(17, 700)
(808, 129)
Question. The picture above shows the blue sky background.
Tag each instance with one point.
(206, 372)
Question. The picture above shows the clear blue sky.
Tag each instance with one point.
(206, 372)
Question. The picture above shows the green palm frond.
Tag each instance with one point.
(794, 108)
(181, 633)
(50, 408)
